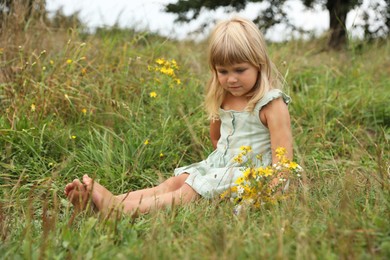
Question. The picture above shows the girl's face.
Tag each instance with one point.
(238, 79)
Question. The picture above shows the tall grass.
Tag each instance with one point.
(73, 103)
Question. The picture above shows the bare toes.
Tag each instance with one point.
(88, 181)
(75, 184)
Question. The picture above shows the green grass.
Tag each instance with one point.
(340, 117)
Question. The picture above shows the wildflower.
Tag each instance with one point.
(280, 152)
(238, 159)
(160, 61)
(73, 137)
(240, 180)
(84, 111)
(146, 142)
(178, 81)
(293, 165)
(51, 62)
(153, 94)
(69, 61)
(32, 107)
(174, 64)
(249, 172)
(259, 186)
(246, 149)
(265, 171)
(43, 68)
(83, 71)
(167, 71)
(237, 210)
(161, 155)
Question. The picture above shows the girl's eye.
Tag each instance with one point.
(222, 72)
(240, 70)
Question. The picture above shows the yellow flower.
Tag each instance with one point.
(160, 61)
(249, 173)
(246, 149)
(73, 137)
(51, 62)
(161, 155)
(265, 171)
(84, 111)
(153, 94)
(167, 71)
(255, 187)
(146, 142)
(32, 107)
(178, 81)
(239, 180)
(83, 71)
(238, 159)
(293, 165)
(280, 152)
(174, 64)
(69, 61)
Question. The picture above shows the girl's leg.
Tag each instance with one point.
(171, 184)
(105, 201)
(181, 196)
(78, 195)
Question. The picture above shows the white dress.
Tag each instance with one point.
(219, 171)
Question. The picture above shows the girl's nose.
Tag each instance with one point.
(231, 79)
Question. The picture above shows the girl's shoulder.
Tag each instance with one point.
(271, 95)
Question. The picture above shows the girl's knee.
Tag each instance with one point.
(173, 183)
(188, 194)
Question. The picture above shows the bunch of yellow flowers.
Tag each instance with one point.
(166, 67)
(261, 186)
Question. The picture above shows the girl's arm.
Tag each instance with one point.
(215, 131)
(276, 117)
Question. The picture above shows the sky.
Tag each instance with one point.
(149, 15)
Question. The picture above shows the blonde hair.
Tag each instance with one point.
(234, 41)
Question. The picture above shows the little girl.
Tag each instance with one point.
(246, 108)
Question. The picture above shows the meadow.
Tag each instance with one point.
(73, 103)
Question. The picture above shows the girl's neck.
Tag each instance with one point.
(231, 102)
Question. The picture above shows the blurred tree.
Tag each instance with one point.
(27, 8)
(376, 20)
(5, 8)
(274, 13)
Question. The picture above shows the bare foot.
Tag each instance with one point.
(77, 194)
(101, 197)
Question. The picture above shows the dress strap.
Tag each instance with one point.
(271, 95)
